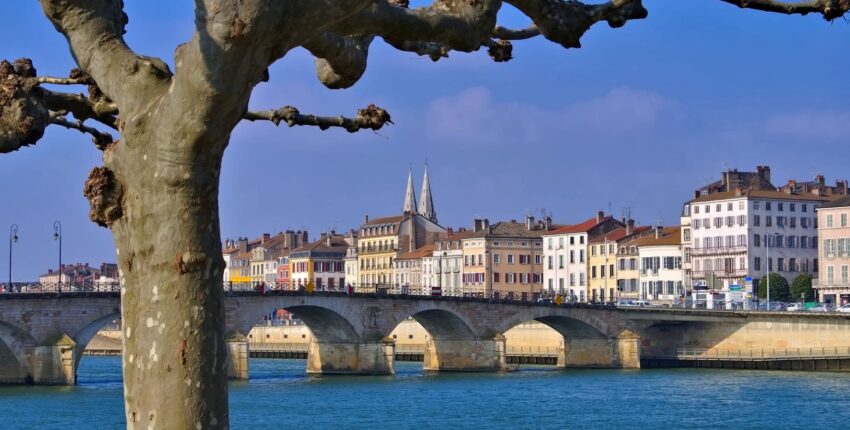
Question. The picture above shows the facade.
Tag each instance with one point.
(475, 264)
(833, 285)
(447, 262)
(321, 263)
(742, 234)
(380, 241)
(660, 256)
(282, 279)
(243, 265)
(408, 270)
(81, 274)
(727, 227)
(566, 258)
(604, 262)
(515, 262)
(352, 269)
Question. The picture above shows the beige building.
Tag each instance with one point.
(513, 257)
(321, 263)
(833, 284)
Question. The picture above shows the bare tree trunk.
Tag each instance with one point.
(161, 200)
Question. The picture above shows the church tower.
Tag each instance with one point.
(426, 203)
(409, 195)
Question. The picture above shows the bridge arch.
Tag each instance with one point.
(14, 347)
(85, 334)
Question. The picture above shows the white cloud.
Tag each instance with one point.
(474, 116)
(811, 125)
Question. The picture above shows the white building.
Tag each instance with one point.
(352, 269)
(447, 264)
(660, 256)
(565, 255)
(733, 232)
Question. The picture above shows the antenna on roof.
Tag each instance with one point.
(627, 212)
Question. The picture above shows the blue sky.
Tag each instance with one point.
(638, 118)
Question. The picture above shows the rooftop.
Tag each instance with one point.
(669, 236)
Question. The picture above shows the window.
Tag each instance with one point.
(830, 275)
(496, 277)
(844, 220)
(581, 240)
(572, 257)
(581, 280)
(696, 209)
(538, 259)
(804, 242)
(742, 220)
(804, 222)
(524, 259)
(756, 220)
(793, 207)
(572, 240)
(792, 264)
(707, 209)
(730, 221)
(718, 222)
(593, 251)
(510, 259)
(549, 246)
(717, 207)
(696, 224)
(497, 258)
(729, 206)
(756, 205)
(560, 261)
(687, 235)
(741, 205)
(593, 272)
(768, 221)
(757, 262)
(572, 279)
(780, 206)
(829, 220)
(581, 256)
(844, 274)
(767, 206)
(805, 207)
(793, 222)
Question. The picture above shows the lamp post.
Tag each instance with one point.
(57, 235)
(13, 237)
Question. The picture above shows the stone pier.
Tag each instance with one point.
(621, 352)
(237, 357)
(466, 355)
(351, 358)
(55, 362)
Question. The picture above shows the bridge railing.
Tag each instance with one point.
(61, 287)
(758, 354)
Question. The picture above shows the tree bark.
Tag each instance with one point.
(160, 198)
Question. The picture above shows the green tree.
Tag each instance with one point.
(779, 289)
(801, 286)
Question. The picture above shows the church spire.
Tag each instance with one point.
(409, 195)
(426, 203)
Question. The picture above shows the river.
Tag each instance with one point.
(281, 395)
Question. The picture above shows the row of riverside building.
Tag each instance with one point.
(731, 233)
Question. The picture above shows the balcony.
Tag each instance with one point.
(723, 250)
(736, 273)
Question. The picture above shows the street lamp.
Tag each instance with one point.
(13, 237)
(57, 235)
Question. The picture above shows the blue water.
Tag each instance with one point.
(281, 395)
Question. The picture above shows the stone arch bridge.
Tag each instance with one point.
(42, 336)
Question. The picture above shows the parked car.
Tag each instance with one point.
(634, 304)
(795, 307)
(843, 309)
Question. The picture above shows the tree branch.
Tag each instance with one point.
(95, 29)
(830, 9)
(340, 60)
(82, 107)
(565, 22)
(509, 34)
(371, 117)
(101, 139)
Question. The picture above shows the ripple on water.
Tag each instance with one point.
(281, 394)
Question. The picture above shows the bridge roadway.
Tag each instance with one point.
(43, 335)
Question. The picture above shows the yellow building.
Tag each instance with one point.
(604, 266)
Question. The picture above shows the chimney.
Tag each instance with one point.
(842, 187)
(696, 194)
(739, 191)
(630, 227)
(529, 222)
(600, 216)
(486, 225)
(243, 244)
(449, 231)
(658, 232)
(548, 223)
(266, 237)
(329, 240)
(366, 220)
(820, 180)
(763, 172)
(477, 224)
